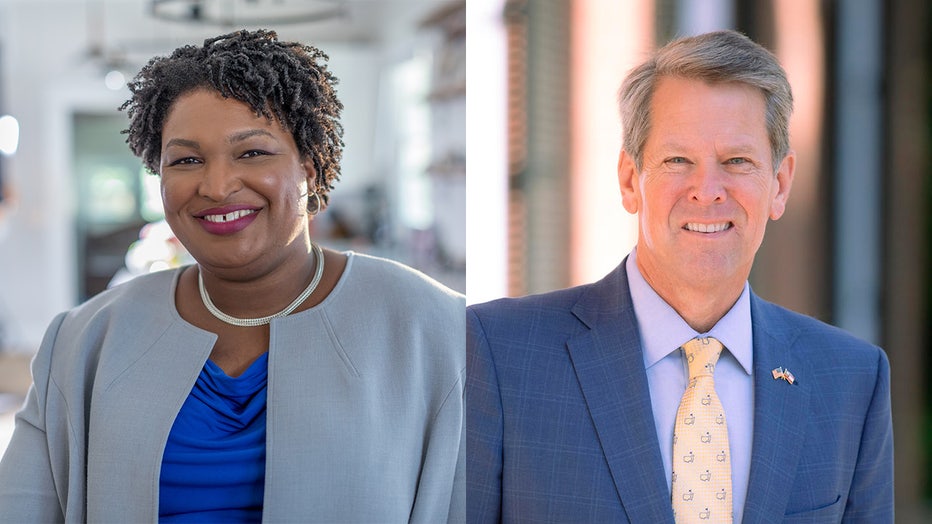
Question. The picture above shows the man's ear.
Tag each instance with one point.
(628, 182)
(784, 183)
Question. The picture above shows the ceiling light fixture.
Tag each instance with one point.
(248, 12)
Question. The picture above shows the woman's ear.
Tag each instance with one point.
(315, 202)
(310, 175)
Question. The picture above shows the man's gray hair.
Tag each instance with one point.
(716, 57)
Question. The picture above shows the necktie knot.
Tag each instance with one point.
(701, 356)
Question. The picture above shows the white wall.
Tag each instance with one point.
(36, 259)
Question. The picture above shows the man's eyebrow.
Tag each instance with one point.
(243, 135)
(740, 148)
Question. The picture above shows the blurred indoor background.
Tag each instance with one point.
(78, 213)
(543, 203)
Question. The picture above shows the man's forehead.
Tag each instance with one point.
(730, 143)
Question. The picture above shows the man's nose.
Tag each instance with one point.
(707, 183)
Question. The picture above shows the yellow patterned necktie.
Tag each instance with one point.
(701, 457)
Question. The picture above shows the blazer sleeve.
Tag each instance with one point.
(441, 488)
(457, 512)
(28, 488)
(871, 497)
(484, 427)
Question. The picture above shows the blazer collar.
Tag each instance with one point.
(609, 366)
(779, 411)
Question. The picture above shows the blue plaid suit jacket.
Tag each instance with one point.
(560, 426)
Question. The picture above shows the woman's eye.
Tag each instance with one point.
(184, 161)
(253, 153)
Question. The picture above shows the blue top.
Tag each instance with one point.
(662, 332)
(213, 469)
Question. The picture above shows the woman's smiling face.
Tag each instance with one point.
(234, 185)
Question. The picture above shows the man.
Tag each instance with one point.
(573, 396)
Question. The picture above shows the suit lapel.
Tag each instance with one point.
(609, 366)
(779, 415)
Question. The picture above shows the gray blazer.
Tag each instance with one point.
(365, 405)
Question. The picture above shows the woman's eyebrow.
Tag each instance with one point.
(182, 142)
(243, 135)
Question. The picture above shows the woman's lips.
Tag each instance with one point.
(226, 221)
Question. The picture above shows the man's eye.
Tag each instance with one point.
(676, 160)
(736, 161)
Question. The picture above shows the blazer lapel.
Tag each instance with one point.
(135, 401)
(609, 365)
(779, 408)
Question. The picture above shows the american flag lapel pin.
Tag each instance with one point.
(785, 374)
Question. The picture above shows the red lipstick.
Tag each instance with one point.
(227, 220)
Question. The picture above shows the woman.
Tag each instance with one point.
(273, 379)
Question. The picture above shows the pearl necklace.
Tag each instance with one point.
(252, 322)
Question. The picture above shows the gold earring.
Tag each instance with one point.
(318, 204)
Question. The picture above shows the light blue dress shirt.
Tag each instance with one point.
(662, 332)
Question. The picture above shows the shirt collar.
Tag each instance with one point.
(663, 331)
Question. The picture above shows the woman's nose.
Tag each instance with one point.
(219, 181)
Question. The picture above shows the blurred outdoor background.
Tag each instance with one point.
(543, 206)
(78, 213)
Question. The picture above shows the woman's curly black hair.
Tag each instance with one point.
(287, 80)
